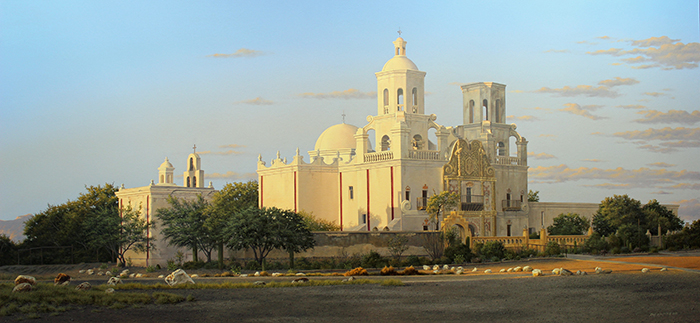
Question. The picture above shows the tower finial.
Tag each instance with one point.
(343, 116)
(194, 149)
(399, 31)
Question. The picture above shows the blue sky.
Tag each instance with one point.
(92, 92)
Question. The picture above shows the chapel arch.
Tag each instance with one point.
(399, 99)
(471, 111)
(386, 143)
(485, 116)
(414, 99)
(417, 142)
(386, 101)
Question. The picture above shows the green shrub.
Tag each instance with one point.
(193, 265)
(552, 249)
(373, 260)
(492, 250)
(458, 250)
(412, 261)
(252, 265)
(150, 269)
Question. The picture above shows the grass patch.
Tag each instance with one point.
(47, 298)
(391, 282)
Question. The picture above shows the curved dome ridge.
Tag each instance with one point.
(337, 137)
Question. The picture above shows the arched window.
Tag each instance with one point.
(501, 149)
(498, 111)
(386, 143)
(386, 96)
(417, 142)
(191, 163)
(399, 99)
(188, 182)
(414, 94)
(194, 181)
(486, 110)
(162, 178)
(471, 111)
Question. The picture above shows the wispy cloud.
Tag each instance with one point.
(347, 94)
(243, 52)
(608, 185)
(582, 110)
(672, 116)
(593, 160)
(618, 81)
(689, 209)
(661, 164)
(581, 90)
(662, 192)
(657, 52)
(547, 136)
(540, 155)
(232, 146)
(631, 106)
(522, 118)
(256, 101)
(232, 175)
(686, 186)
(642, 177)
(655, 94)
(668, 133)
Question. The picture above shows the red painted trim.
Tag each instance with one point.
(295, 192)
(341, 201)
(148, 229)
(368, 227)
(392, 193)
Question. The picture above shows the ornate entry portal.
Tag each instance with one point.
(469, 174)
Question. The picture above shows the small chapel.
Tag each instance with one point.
(363, 188)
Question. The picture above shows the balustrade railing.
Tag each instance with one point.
(424, 154)
(512, 205)
(378, 156)
(472, 203)
(500, 160)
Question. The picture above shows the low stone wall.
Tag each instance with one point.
(336, 244)
(569, 241)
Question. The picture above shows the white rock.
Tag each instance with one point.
(458, 272)
(487, 271)
(460, 268)
(22, 287)
(436, 271)
(276, 274)
(89, 272)
(536, 272)
(109, 273)
(300, 274)
(301, 280)
(139, 275)
(453, 268)
(244, 275)
(25, 279)
(556, 271)
(436, 267)
(645, 270)
(82, 271)
(502, 270)
(99, 273)
(132, 275)
(527, 269)
(475, 270)
(114, 281)
(161, 276)
(194, 275)
(426, 267)
(109, 291)
(83, 286)
(510, 270)
(565, 272)
(518, 269)
(259, 282)
(178, 277)
(664, 269)
(445, 267)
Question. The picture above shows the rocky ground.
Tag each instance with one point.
(626, 295)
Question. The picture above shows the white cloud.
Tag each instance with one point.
(618, 81)
(689, 209)
(582, 110)
(661, 164)
(642, 177)
(672, 116)
(232, 175)
(668, 133)
(584, 90)
(243, 52)
(256, 101)
(540, 155)
(347, 94)
(631, 106)
(594, 160)
(522, 118)
(222, 153)
(661, 52)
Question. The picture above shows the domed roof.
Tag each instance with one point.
(166, 164)
(337, 137)
(399, 63)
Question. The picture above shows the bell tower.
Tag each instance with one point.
(165, 173)
(194, 175)
(400, 84)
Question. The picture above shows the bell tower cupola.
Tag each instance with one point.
(165, 173)
(400, 84)
(194, 175)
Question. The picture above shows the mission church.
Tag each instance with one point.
(386, 188)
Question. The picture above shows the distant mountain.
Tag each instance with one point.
(14, 228)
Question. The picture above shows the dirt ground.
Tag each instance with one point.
(626, 295)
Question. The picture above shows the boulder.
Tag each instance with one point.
(109, 291)
(556, 271)
(259, 283)
(349, 279)
(510, 270)
(194, 276)
(113, 281)
(460, 268)
(61, 279)
(426, 267)
(300, 280)
(124, 273)
(244, 275)
(527, 269)
(276, 274)
(178, 277)
(436, 267)
(99, 273)
(487, 271)
(452, 269)
(445, 267)
(161, 276)
(108, 273)
(565, 272)
(25, 279)
(83, 286)
(300, 274)
(664, 269)
(89, 271)
(475, 270)
(537, 272)
(603, 271)
(22, 287)
(459, 271)
(502, 270)
(436, 271)
(518, 269)
(645, 270)
(581, 272)
(132, 275)
(82, 271)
